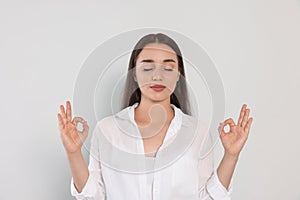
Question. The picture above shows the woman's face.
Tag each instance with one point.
(156, 71)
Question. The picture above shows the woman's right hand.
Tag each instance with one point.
(72, 138)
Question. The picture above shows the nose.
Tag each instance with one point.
(157, 73)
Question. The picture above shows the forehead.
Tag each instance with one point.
(157, 51)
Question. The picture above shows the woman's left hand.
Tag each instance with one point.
(234, 140)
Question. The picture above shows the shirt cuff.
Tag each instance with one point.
(216, 190)
(89, 190)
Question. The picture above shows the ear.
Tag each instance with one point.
(134, 77)
(178, 76)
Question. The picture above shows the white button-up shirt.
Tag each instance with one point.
(119, 169)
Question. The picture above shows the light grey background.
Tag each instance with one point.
(255, 45)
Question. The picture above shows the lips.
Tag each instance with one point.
(158, 86)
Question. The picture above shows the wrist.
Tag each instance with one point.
(233, 157)
(76, 154)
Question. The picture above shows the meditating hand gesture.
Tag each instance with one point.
(234, 140)
(72, 138)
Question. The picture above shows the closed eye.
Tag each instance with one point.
(149, 69)
(169, 69)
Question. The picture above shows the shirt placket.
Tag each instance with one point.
(156, 189)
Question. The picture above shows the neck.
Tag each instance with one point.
(149, 111)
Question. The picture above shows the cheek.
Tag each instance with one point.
(143, 83)
(171, 83)
(143, 79)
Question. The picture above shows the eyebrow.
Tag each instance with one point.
(166, 60)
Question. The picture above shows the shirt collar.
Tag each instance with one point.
(174, 125)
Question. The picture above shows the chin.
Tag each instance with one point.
(158, 98)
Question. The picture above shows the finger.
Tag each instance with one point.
(85, 130)
(60, 121)
(245, 118)
(63, 114)
(84, 133)
(248, 125)
(230, 122)
(84, 127)
(242, 113)
(78, 119)
(69, 111)
(221, 129)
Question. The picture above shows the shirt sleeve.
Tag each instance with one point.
(210, 187)
(94, 187)
(216, 190)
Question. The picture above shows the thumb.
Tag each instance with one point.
(84, 133)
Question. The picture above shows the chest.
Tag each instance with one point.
(177, 181)
(153, 138)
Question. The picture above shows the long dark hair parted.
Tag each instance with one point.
(132, 93)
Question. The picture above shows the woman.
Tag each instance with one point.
(155, 102)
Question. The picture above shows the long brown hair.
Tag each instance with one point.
(132, 93)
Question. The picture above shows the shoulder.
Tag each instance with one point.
(109, 120)
(112, 125)
(192, 121)
(197, 127)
